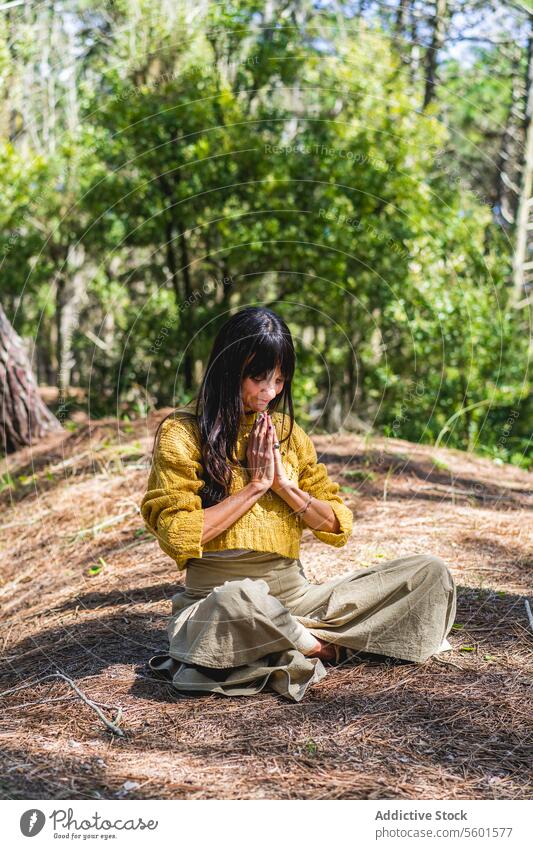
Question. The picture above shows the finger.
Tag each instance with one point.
(255, 432)
(264, 428)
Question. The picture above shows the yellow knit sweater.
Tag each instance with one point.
(172, 508)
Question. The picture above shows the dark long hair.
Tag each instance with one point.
(250, 344)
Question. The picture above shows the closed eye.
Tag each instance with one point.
(260, 379)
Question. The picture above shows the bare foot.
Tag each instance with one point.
(325, 651)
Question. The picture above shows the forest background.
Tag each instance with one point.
(362, 168)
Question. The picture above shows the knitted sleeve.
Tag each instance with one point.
(171, 507)
(313, 478)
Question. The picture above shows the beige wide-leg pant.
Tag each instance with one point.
(244, 622)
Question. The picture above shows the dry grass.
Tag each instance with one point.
(456, 727)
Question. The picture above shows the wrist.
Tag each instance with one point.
(284, 488)
(258, 486)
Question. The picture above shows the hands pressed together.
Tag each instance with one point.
(268, 472)
(264, 457)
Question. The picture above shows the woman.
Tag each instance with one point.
(234, 481)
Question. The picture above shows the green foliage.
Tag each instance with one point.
(219, 162)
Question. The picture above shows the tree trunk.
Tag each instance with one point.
(509, 155)
(438, 26)
(187, 288)
(524, 219)
(70, 294)
(399, 35)
(414, 47)
(350, 373)
(25, 418)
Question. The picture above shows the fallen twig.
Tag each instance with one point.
(447, 663)
(463, 493)
(56, 699)
(114, 728)
(27, 521)
(65, 464)
(100, 525)
(10, 585)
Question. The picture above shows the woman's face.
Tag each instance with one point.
(258, 391)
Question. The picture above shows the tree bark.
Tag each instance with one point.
(438, 25)
(400, 41)
(187, 287)
(524, 220)
(25, 418)
(509, 155)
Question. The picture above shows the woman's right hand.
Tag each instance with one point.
(259, 453)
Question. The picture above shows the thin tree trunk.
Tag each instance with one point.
(414, 52)
(399, 40)
(60, 343)
(171, 262)
(438, 24)
(69, 298)
(350, 366)
(188, 364)
(524, 222)
(507, 190)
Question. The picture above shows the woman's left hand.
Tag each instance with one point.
(281, 480)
